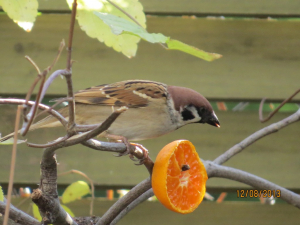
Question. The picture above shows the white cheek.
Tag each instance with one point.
(195, 114)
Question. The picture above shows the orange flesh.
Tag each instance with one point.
(179, 177)
(183, 187)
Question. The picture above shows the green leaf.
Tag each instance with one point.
(119, 26)
(95, 28)
(75, 191)
(11, 142)
(37, 215)
(36, 212)
(1, 194)
(68, 210)
(22, 12)
(178, 45)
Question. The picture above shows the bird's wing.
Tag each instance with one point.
(131, 93)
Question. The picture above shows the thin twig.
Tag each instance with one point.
(51, 144)
(41, 92)
(33, 110)
(29, 93)
(53, 106)
(84, 128)
(33, 63)
(12, 165)
(91, 183)
(60, 49)
(51, 78)
(261, 118)
(256, 136)
(52, 112)
(98, 130)
(71, 33)
(81, 138)
(71, 104)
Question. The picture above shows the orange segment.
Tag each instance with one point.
(179, 177)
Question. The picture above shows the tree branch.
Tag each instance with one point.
(71, 104)
(132, 205)
(72, 139)
(214, 170)
(260, 111)
(46, 196)
(33, 110)
(50, 144)
(51, 111)
(105, 146)
(17, 215)
(98, 130)
(40, 95)
(122, 203)
(256, 136)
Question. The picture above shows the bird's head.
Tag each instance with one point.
(193, 107)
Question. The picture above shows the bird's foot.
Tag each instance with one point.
(141, 152)
(120, 139)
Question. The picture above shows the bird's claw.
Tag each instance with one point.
(124, 140)
(139, 153)
(144, 152)
(132, 158)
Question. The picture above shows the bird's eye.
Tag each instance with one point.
(201, 110)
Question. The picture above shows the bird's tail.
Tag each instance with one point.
(48, 121)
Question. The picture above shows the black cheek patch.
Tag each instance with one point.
(187, 115)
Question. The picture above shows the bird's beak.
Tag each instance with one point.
(215, 123)
(213, 120)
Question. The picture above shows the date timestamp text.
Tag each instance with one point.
(258, 193)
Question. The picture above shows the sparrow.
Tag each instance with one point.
(154, 109)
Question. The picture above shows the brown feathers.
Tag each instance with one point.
(132, 93)
(155, 109)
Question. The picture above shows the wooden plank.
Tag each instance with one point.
(254, 7)
(260, 57)
(275, 157)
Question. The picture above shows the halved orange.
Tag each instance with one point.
(179, 177)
